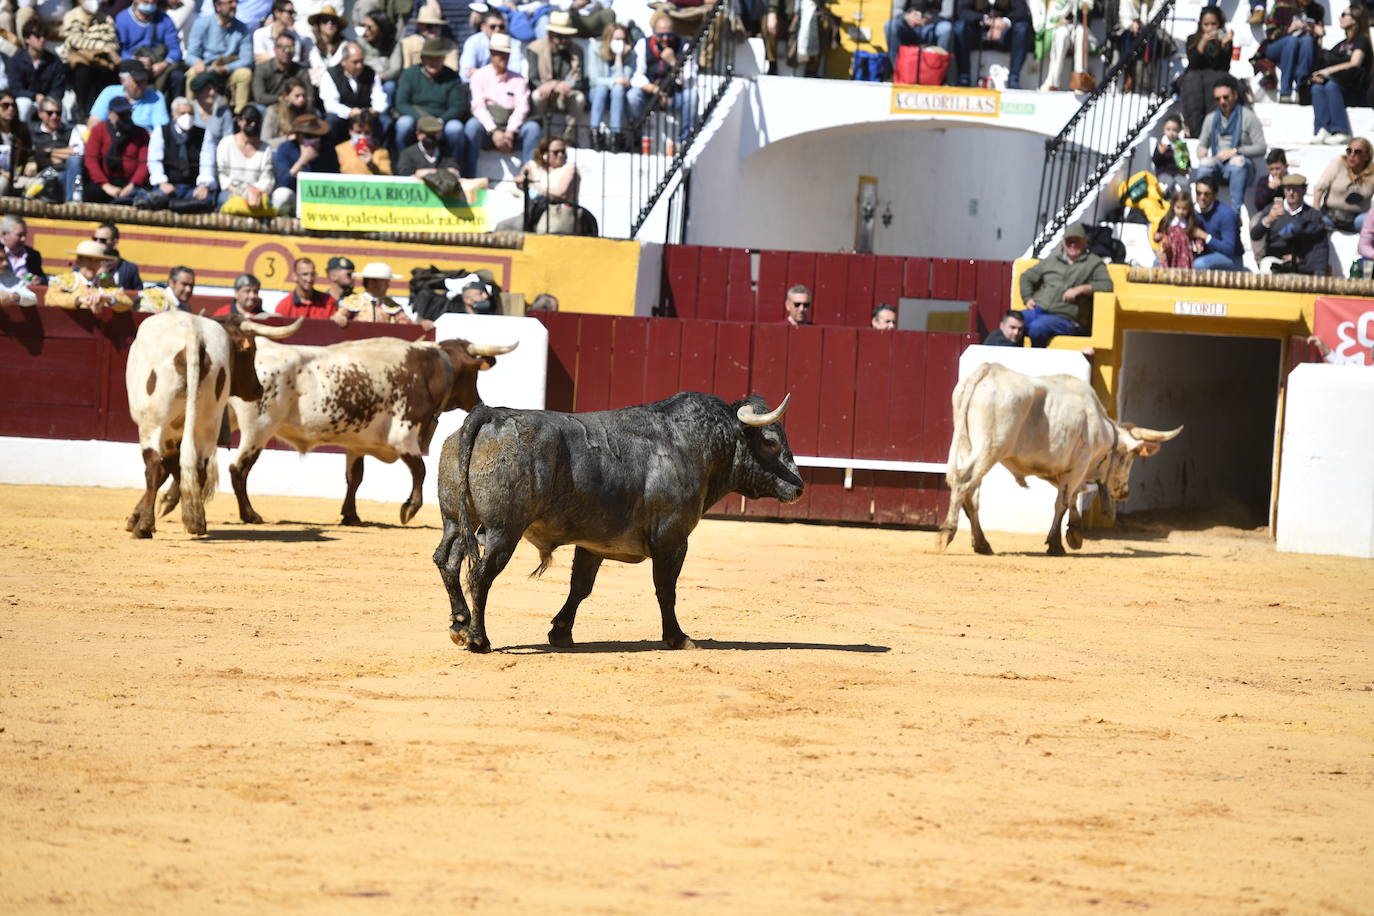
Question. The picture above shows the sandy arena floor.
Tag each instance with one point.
(274, 719)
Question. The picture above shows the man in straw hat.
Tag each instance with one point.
(371, 303)
(1295, 237)
(434, 90)
(500, 109)
(557, 81)
(221, 44)
(477, 49)
(429, 23)
(88, 285)
(303, 150)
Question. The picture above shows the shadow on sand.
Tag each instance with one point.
(656, 645)
(299, 534)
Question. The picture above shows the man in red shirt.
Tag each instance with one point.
(306, 301)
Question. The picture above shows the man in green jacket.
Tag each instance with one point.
(431, 89)
(1055, 290)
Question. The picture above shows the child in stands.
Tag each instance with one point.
(1170, 158)
(1178, 234)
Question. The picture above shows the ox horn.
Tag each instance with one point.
(272, 331)
(1154, 435)
(748, 417)
(491, 349)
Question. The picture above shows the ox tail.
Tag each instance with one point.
(467, 529)
(193, 493)
(960, 444)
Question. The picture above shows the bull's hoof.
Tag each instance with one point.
(983, 547)
(1075, 538)
(561, 639)
(132, 522)
(1056, 550)
(169, 502)
(143, 532)
(459, 636)
(250, 518)
(942, 539)
(479, 644)
(352, 521)
(408, 511)
(680, 641)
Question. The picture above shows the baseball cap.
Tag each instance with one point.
(429, 124)
(121, 105)
(135, 68)
(337, 263)
(1075, 231)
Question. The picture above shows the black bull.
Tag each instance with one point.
(622, 484)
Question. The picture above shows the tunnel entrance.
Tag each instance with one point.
(1224, 390)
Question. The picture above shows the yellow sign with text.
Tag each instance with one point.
(384, 203)
(947, 100)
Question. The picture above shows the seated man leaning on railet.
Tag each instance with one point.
(1056, 290)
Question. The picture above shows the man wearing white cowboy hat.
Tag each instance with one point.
(429, 23)
(371, 303)
(88, 285)
(557, 81)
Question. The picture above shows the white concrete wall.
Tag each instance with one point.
(1003, 504)
(517, 380)
(1326, 478)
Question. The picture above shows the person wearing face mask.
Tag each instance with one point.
(116, 157)
(180, 165)
(92, 48)
(424, 156)
(304, 150)
(655, 83)
(359, 154)
(610, 66)
(144, 25)
(243, 164)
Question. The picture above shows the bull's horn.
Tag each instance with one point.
(490, 349)
(749, 418)
(272, 331)
(1154, 435)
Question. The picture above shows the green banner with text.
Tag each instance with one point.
(384, 203)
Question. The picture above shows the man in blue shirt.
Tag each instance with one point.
(1221, 249)
(222, 44)
(149, 107)
(143, 25)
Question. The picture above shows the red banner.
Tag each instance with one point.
(1347, 327)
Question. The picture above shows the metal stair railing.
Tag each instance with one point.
(1105, 128)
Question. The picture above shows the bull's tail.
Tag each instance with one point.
(959, 443)
(193, 493)
(467, 530)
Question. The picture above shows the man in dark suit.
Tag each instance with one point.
(20, 259)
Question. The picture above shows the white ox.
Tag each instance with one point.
(181, 370)
(1052, 427)
(378, 397)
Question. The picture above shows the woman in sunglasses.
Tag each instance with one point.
(16, 148)
(1344, 79)
(1344, 191)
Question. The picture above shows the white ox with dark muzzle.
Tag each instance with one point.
(1052, 427)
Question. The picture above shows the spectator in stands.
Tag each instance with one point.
(52, 137)
(1221, 245)
(20, 259)
(556, 78)
(221, 44)
(339, 270)
(435, 90)
(243, 163)
(1295, 237)
(305, 150)
(1209, 63)
(1293, 31)
(610, 67)
(552, 184)
(174, 297)
(1170, 158)
(148, 106)
(476, 50)
(350, 88)
(16, 148)
(654, 83)
(143, 25)
(14, 290)
(1343, 80)
(1132, 17)
(181, 167)
(429, 23)
(1230, 136)
(799, 27)
(247, 299)
(293, 102)
(479, 298)
(371, 303)
(918, 24)
(305, 301)
(87, 285)
(1276, 161)
(884, 318)
(116, 157)
(500, 105)
(1178, 235)
(1063, 22)
(283, 22)
(426, 156)
(271, 76)
(1057, 289)
(35, 73)
(1345, 190)
(124, 273)
(1003, 25)
(544, 302)
(209, 110)
(1008, 333)
(382, 50)
(92, 50)
(360, 154)
(798, 306)
(328, 44)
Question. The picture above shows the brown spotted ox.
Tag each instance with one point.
(379, 397)
(182, 369)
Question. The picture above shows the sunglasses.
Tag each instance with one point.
(53, 111)
(6, 104)
(802, 305)
(556, 152)
(1351, 150)
(104, 240)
